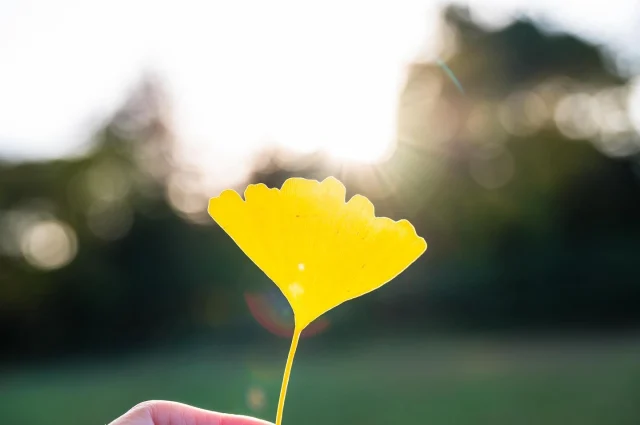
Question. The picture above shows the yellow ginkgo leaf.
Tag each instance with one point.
(318, 249)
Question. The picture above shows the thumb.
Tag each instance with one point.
(158, 412)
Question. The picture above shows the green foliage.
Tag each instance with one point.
(553, 246)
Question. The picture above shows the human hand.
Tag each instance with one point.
(171, 413)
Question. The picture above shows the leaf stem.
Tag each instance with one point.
(287, 372)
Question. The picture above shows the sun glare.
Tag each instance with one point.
(347, 119)
(321, 91)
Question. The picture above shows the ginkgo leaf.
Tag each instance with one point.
(318, 249)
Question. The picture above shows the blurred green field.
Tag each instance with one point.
(463, 382)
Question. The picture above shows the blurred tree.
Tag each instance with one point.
(529, 224)
(530, 210)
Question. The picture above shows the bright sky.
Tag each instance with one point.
(307, 74)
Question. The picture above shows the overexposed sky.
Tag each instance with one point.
(308, 74)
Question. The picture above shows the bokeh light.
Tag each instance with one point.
(108, 182)
(574, 116)
(256, 398)
(49, 244)
(523, 113)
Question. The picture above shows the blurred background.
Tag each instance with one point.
(506, 131)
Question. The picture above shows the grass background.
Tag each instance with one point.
(458, 382)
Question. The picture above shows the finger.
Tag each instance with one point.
(171, 413)
(160, 412)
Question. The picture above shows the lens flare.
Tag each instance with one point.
(273, 313)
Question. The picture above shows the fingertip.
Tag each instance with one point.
(229, 419)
